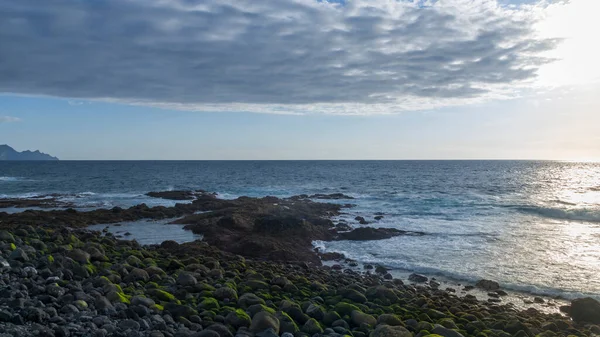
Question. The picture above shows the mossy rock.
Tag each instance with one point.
(448, 323)
(264, 320)
(256, 308)
(161, 295)
(344, 308)
(312, 326)
(330, 317)
(209, 304)
(389, 319)
(358, 318)
(286, 323)
(118, 297)
(256, 284)
(238, 318)
(249, 299)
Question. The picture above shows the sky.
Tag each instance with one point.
(301, 79)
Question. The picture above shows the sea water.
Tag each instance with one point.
(533, 226)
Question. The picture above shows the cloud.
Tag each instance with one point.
(292, 56)
(9, 119)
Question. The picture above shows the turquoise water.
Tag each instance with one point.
(532, 226)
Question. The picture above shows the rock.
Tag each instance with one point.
(129, 324)
(585, 310)
(389, 319)
(7, 237)
(206, 333)
(445, 332)
(186, 279)
(222, 330)
(79, 256)
(136, 275)
(96, 254)
(390, 331)
(238, 319)
(333, 196)
(18, 255)
(354, 296)
(361, 220)
(312, 327)
(224, 293)
(249, 299)
(315, 311)
(143, 301)
(370, 233)
(177, 310)
(267, 333)
(487, 285)
(5, 316)
(358, 318)
(417, 278)
(264, 320)
(332, 256)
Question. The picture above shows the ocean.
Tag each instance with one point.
(533, 226)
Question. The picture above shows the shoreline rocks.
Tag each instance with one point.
(195, 289)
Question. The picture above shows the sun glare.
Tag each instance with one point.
(576, 22)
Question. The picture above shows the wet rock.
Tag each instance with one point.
(370, 233)
(585, 310)
(487, 285)
(417, 278)
(361, 220)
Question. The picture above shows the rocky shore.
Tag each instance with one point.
(269, 228)
(59, 279)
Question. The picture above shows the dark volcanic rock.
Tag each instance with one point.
(370, 233)
(333, 196)
(179, 195)
(585, 310)
(487, 285)
(417, 278)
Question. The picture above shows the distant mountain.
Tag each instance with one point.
(8, 153)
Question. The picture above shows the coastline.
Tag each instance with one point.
(284, 216)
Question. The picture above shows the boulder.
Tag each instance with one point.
(390, 331)
(312, 327)
(445, 332)
(370, 233)
(186, 279)
(487, 285)
(18, 255)
(417, 278)
(225, 293)
(263, 321)
(137, 274)
(585, 310)
(79, 256)
(359, 317)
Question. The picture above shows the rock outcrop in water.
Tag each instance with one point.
(8, 153)
(269, 228)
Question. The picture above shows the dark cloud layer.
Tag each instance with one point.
(265, 55)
